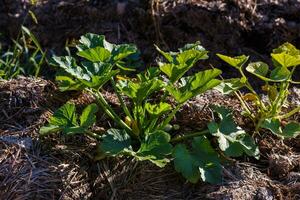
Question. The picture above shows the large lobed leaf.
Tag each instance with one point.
(201, 162)
(232, 139)
(157, 110)
(138, 91)
(290, 130)
(180, 62)
(194, 85)
(236, 62)
(65, 120)
(155, 147)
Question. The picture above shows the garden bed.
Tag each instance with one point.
(64, 168)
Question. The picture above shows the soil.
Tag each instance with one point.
(252, 27)
(59, 167)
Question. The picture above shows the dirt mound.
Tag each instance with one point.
(249, 26)
(61, 167)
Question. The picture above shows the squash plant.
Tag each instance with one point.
(268, 113)
(144, 131)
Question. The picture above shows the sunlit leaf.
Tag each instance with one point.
(194, 85)
(237, 61)
(157, 109)
(259, 69)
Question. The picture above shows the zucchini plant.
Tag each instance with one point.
(143, 130)
(268, 113)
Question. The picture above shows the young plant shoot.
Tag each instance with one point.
(268, 114)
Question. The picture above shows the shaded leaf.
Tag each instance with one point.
(155, 148)
(186, 163)
(291, 130)
(115, 142)
(201, 162)
(232, 139)
(230, 85)
(280, 74)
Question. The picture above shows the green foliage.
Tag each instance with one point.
(290, 130)
(144, 133)
(277, 80)
(180, 62)
(193, 85)
(201, 162)
(232, 139)
(65, 120)
(26, 57)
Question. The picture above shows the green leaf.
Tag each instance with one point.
(259, 69)
(230, 85)
(65, 120)
(96, 49)
(115, 142)
(287, 48)
(180, 62)
(151, 73)
(65, 116)
(97, 54)
(155, 148)
(69, 65)
(209, 164)
(291, 130)
(93, 75)
(66, 83)
(49, 129)
(138, 91)
(232, 139)
(88, 117)
(157, 109)
(90, 41)
(123, 51)
(236, 62)
(286, 60)
(194, 46)
(186, 163)
(194, 85)
(202, 162)
(280, 74)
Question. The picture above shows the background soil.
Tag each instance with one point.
(233, 27)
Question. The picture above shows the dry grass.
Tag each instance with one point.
(60, 167)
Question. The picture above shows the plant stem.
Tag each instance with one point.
(188, 136)
(289, 114)
(170, 117)
(110, 112)
(93, 135)
(244, 105)
(123, 105)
